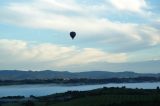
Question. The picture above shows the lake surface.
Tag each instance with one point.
(47, 89)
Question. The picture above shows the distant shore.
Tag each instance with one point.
(79, 81)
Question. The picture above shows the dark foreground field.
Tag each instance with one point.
(98, 97)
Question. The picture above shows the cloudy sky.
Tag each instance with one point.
(112, 35)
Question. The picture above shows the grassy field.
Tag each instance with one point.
(110, 100)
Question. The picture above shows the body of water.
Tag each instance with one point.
(47, 89)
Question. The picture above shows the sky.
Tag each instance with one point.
(112, 35)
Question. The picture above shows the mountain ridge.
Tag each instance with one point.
(49, 74)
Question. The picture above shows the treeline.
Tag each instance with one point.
(81, 81)
(105, 97)
(13, 97)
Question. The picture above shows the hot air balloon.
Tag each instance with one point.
(72, 34)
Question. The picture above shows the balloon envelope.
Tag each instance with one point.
(72, 35)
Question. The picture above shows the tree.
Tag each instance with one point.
(158, 88)
(29, 103)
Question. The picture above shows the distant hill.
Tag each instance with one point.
(48, 74)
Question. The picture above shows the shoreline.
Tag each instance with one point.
(109, 92)
(79, 81)
(47, 89)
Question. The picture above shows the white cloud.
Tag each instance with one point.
(16, 53)
(130, 5)
(90, 55)
(152, 34)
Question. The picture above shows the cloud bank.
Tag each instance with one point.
(23, 54)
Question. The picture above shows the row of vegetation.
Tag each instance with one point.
(80, 81)
(98, 97)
